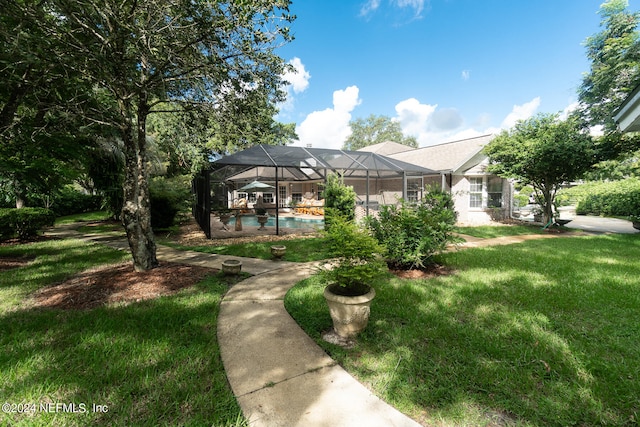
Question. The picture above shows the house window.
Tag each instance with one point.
(296, 197)
(494, 191)
(475, 192)
(242, 195)
(267, 197)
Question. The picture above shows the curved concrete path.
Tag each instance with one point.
(279, 375)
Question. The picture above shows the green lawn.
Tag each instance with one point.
(150, 363)
(539, 333)
(492, 231)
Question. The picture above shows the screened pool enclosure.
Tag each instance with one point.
(282, 177)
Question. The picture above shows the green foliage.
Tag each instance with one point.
(25, 222)
(339, 200)
(168, 197)
(616, 198)
(543, 152)
(414, 232)
(376, 129)
(69, 201)
(358, 255)
(614, 53)
(105, 168)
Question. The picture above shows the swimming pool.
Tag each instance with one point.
(286, 221)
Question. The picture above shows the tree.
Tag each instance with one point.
(543, 152)
(144, 54)
(615, 64)
(376, 129)
(615, 71)
(42, 141)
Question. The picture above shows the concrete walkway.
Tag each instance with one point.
(279, 375)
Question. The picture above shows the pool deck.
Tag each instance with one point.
(218, 231)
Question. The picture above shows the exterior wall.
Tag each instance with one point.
(461, 188)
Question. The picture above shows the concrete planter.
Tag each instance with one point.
(278, 251)
(231, 266)
(350, 314)
(262, 220)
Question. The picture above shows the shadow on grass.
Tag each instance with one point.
(539, 333)
(154, 362)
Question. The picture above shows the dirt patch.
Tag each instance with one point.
(427, 273)
(119, 283)
(8, 263)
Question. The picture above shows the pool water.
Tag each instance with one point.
(287, 221)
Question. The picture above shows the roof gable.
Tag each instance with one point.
(449, 156)
(386, 148)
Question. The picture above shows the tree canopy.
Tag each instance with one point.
(376, 129)
(544, 152)
(138, 56)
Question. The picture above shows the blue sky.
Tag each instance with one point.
(446, 69)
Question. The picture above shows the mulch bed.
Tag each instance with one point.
(430, 272)
(117, 284)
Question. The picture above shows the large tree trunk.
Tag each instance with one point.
(136, 213)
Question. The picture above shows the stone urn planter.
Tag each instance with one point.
(278, 251)
(231, 266)
(262, 220)
(349, 313)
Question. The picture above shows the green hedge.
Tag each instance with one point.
(24, 223)
(71, 201)
(615, 198)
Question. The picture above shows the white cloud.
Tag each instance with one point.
(298, 82)
(299, 79)
(330, 128)
(521, 112)
(416, 5)
(466, 74)
(414, 116)
(429, 124)
(369, 7)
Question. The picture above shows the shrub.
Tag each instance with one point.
(615, 198)
(338, 200)
(25, 222)
(7, 227)
(71, 201)
(168, 196)
(414, 232)
(358, 256)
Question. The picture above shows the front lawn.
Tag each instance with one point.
(148, 363)
(538, 333)
(493, 231)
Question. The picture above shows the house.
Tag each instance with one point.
(380, 175)
(627, 116)
(479, 196)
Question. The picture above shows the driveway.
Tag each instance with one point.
(601, 225)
